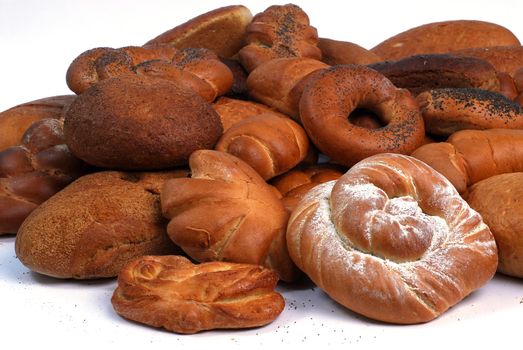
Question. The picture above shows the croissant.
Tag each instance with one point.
(470, 156)
(392, 240)
(226, 212)
(269, 143)
(33, 171)
(173, 293)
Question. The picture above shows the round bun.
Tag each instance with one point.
(133, 122)
(336, 92)
(392, 240)
(498, 200)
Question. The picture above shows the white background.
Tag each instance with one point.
(38, 40)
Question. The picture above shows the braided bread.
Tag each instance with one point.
(278, 32)
(173, 293)
(16, 120)
(199, 69)
(270, 144)
(33, 171)
(392, 240)
(226, 212)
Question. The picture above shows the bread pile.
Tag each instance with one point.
(391, 177)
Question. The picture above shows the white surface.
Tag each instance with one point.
(38, 40)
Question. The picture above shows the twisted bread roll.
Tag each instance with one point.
(198, 69)
(227, 212)
(15, 121)
(279, 83)
(232, 111)
(173, 293)
(392, 240)
(498, 200)
(221, 30)
(446, 111)
(293, 185)
(33, 171)
(279, 31)
(470, 156)
(270, 144)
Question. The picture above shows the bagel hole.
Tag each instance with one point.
(365, 118)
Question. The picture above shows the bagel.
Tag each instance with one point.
(336, 92)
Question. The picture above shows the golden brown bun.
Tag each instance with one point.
(233, 111)
(227, 212)
(470, 156)
(278, 32)
(506, 59)
(338, 91)
(221, 30)
(446, 111)
(295, 184)
(335, 52)
(392, 240)
(498, 201)
(269, 143)
(173, 293)
(134, 122)
(16, 120)
(433, 71)
(33, 171)
(443, 37)
(279, 83)
(96, 225)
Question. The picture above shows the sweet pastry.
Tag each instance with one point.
(278, 32)
(135, 122)
(96, 225)
(227, 212)
(15, 121)
(444, 37)
(33, 171)
(470, 156)
(221, 30)
(498, 200)
(269, 143)
(173, 293)
(391, 240)
(337, 92)
(446, 111)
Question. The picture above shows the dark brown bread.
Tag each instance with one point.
(134, 122)
(433, 71)
(173, 293)
(96, 225)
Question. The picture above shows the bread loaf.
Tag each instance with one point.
(96, 225)
(498, 200)
(335, 52)
(506, 59)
